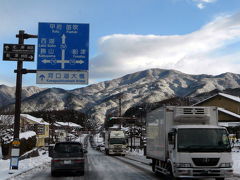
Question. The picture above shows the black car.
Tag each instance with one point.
(67, 157)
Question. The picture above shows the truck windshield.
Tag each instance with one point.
(117, 141)
(203, 140)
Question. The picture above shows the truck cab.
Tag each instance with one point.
(186, 142)
(115, 143)
(200, 151)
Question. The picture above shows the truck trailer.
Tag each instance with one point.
(186, 142)
(115, 142)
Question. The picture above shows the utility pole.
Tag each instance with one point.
(120, 110)
(120, 106)
(141, 139)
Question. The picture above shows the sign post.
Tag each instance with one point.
(18, 52)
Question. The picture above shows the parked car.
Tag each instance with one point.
(67, 157)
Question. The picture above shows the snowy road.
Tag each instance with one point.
(100, 167)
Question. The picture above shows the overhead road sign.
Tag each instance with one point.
(63, 46)
(62, 77)
(18, 52)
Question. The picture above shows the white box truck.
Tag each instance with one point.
(115, 142)
(186, 142)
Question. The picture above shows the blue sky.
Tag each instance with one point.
(192, 36)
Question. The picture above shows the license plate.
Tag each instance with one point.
(67, 162)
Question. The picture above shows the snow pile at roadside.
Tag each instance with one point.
(27, 134)
(24, 165)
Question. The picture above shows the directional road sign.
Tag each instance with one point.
(63, 46)
(18, 52)
(62, 77)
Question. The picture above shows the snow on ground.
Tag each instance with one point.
(24, 165)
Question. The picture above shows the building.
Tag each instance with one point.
(67, 130)
(229, 108)
(30, 123)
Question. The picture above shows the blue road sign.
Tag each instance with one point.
(63, 46)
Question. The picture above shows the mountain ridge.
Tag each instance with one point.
(148, 86)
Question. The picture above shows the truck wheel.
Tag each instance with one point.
(169, 169)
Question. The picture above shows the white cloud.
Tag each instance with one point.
(201, 3)
(120, 54)
(200, 6)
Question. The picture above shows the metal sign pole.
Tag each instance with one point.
(18, 91)
(19, 53)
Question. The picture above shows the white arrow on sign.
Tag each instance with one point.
(31, 57)
(63, 61)
(63, 39)
(6, 47)
(80, 62)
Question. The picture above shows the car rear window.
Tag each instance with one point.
(68, 148)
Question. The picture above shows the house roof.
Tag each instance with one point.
(34, 119)
(234, 98)
(228, 112)
(70, 124)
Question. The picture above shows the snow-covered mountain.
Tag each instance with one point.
(7, 94)
(147, 86)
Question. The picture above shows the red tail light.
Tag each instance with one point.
(79, 160)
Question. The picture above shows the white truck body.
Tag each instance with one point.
(115, 142)
(193, 151)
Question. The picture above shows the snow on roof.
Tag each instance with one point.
(70, 124)
(229, 124)
(27, 134)
(37, 120)
(235, 98)
(229, 112)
